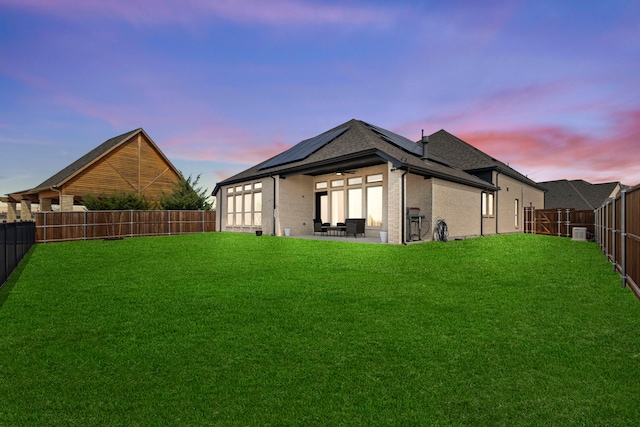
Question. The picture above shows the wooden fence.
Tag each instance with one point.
(65, 226)
(558, 222)
(618, 235)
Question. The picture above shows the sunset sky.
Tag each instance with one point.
(550, 87)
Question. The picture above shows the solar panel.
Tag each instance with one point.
(398, 140)
(304, 149)
(404, 143)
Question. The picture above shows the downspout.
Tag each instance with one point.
(481, 217)
(59, 195)
(496, 202)
(403, 208)
(273, 215)
(219, 208)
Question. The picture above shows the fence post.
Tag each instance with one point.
(613, 235)
(44, 229)
(606, 229)
(623, 236)
(169, 221)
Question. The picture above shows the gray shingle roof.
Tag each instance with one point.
(87, 159)
(576, 194)
(360, 145)
(468, 158)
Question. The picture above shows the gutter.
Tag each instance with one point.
(403, 208)
(273, 215)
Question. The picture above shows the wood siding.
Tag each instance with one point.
(134, 166)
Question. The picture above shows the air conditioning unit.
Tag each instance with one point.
(579, 233)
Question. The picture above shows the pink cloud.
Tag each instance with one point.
(275, 12)
(557, 152)
(221, 143)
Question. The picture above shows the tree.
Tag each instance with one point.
(118, 200)
(186, 195)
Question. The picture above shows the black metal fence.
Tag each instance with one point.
(16, 238)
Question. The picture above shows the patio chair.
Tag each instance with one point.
(319, 227)
(355, 226)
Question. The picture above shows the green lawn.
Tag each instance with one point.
(229, 329)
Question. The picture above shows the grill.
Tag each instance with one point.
(414, 224)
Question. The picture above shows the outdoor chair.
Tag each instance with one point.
(319, 227)
(355, 226)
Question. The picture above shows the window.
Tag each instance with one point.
(337, 206)
(247, 208)
(351, 197)
(230, 209)
(257, 208)
(374, 206)
(517, 212)
(244, 205)
(238, 209)
(355, 202)
(374, 178)
(487, 204)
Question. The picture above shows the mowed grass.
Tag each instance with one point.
(230, 329)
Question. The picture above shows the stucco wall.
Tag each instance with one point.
(459, 205)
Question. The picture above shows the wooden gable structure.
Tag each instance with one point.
(130, 162)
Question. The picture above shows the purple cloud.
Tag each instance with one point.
(275, 12)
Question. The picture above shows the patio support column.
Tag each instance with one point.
(66, 203)
(45, 205)
(12, 213)
(25, 210)
(394, 206)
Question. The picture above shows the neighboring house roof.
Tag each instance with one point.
(87, 159)
(351, 145)
(468, 158)
(72, 170)
(578, 194)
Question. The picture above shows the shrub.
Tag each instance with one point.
(119, 200)
(186, 196)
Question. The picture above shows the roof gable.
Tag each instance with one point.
(468, 158)
(577, 194)
(87, 159)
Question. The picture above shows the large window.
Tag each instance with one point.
(337, 206)
(244, 205)
(374, 206)
(354, 198)
(351, 197)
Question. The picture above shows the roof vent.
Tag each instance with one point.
(425, 141)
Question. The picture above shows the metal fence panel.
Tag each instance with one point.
(16, 238)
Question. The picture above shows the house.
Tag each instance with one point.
(130, 162)
(578, 194)
(359, 170)
(516, 191)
